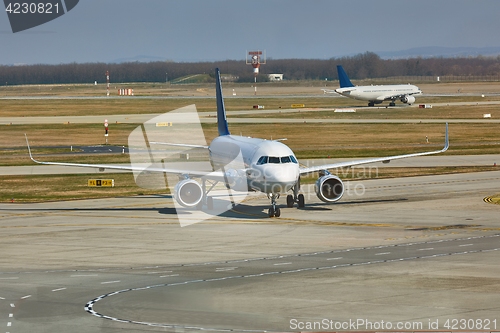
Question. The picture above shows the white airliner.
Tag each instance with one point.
(269, 166)
(375, 94)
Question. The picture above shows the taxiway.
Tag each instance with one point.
(416, 249)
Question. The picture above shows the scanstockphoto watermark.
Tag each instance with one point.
(484, 324)
(355, 172)
(26, 14)
(355, 325)
(170, 151)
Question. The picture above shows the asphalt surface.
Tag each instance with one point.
(410, 251)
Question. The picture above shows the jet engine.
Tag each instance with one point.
(188, 193)
(329, 188)
(408, 99)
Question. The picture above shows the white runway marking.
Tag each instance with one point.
(466, 245)
(59, 289)
(159, 272)
(163, 276)
(89, 307)
(382, 253)
(109, 282)
(223, 269)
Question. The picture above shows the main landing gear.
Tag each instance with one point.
(206, 200)
(290, 201)
(296, 197)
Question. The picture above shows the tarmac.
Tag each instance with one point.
(414, 251)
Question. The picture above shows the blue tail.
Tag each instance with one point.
(343, 78)
(221, 110)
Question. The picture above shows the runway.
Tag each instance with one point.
(407, 250)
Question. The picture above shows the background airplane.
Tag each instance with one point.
(375, 94)
(268, 166)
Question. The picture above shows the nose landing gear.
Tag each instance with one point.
(273, 210)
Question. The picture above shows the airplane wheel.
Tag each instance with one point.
(210, 203)
(271, 212)
(277, 212)
(302, 201)
(289, 201)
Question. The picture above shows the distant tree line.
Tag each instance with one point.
(362, 66)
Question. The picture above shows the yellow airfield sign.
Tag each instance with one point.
(101, 183)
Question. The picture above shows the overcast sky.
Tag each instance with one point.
(193, 30)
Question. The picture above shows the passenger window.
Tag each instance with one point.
(273, 159)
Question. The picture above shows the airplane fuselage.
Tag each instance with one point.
(379, 93)
(269, 166)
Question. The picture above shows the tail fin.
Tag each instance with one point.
(343, 78)
(221, 110)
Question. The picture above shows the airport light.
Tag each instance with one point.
(256, 58)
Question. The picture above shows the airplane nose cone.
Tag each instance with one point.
(281, 177)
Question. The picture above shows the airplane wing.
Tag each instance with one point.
(396, 96)
(178, 145)
(213, 175)
(338, 90)
(374, 160)
(328, 91)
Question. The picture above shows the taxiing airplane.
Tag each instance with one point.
(375, 94)
(269, 166)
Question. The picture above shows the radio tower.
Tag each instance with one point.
(256, 58)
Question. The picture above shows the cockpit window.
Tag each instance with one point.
(285, 159)
(277, 160)
(273, 159)
(262, 160)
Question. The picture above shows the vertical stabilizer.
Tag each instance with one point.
(221, 110)
(343, 78)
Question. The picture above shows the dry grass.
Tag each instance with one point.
(330, 140)
(67, 187)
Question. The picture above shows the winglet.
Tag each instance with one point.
(29, 149)
(221, 110)
(446, 139)
(343, 78)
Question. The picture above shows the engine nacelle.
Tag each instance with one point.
(408, 99)
(188, 193)
(329, 188)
